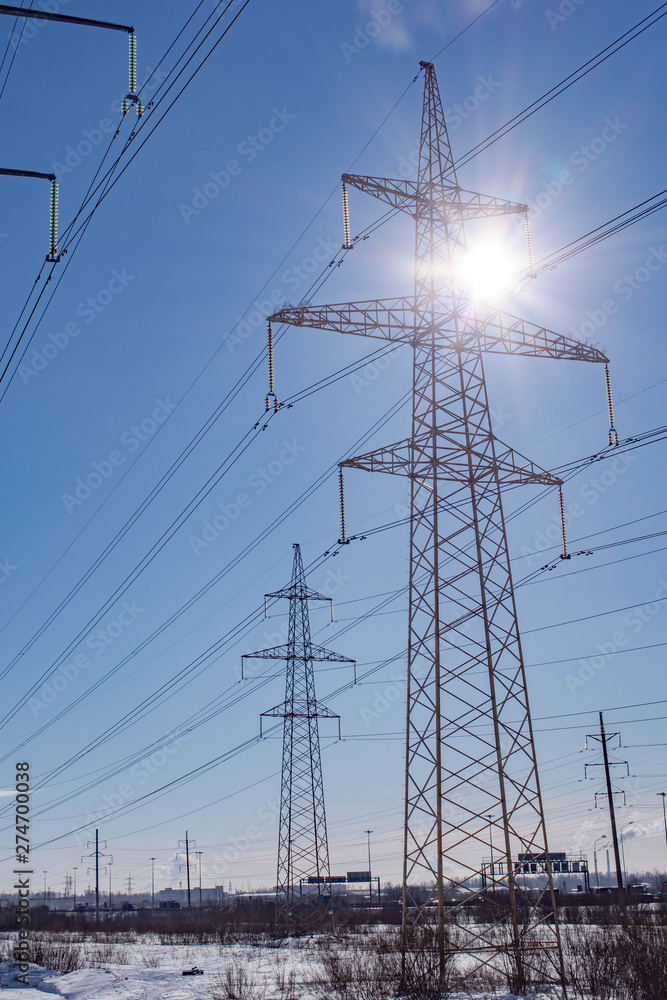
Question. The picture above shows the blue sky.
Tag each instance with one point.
(233, 204)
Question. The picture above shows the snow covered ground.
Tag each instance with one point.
(148, 970)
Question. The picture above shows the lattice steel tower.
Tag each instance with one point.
(470, 765)
(303, 851)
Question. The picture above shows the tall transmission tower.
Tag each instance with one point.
(304, 877)
(470, 749)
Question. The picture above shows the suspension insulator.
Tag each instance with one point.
(132, 70)
(529, 247)
(612, 436)
(561, 508)
(341, 493)
(125, 107)
(140, 109)
(270, 401)
(53, 221)
(347, 245)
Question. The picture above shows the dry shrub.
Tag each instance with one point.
(237, 983)
(103, 953)
(368, 969)
(58, 956)
(286, 984)
(618, 963)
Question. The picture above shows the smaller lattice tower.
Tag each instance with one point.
(303, 886)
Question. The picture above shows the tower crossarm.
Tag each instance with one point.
(410, 458)
(299, 592)
(320, 653)
(386, 319)
(448, 200)
(501, 333)
(455, 326)
(275, 653)
(289, 710)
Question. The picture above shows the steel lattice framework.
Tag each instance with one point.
(303, 885)
(472, 785)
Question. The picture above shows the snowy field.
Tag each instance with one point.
(148, 970)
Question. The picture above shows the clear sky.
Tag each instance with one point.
(231, 205)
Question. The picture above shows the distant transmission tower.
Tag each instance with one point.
(470, 765)
(303, 887)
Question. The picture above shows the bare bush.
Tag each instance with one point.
(59, 956)
(237, 983)
(369, 968)
(618, 963)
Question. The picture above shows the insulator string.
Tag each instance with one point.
(270, 401)
(347, 245)
(341, 494)
(53, 221)
(529, 247)
(612, 436)
(132, 71)
(561, 508)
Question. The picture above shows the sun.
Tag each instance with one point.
(488, 270)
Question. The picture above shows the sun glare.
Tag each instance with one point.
(488, 270)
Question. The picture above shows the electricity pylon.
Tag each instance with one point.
(303, 885)
(470, 764)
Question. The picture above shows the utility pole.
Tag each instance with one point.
(75, 871)
(303, 849)
(199, 854)
(152, 883)
(465, 662)
(188, 843)
(370, 875)
(595, 859)
(97, 854)
(603, 739)
(110, 906)
(664, 812)
(45, 873)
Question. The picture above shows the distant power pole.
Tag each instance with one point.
(188, 844)
(604, 739)
(97, 854)
(303, 850)
(199, 854)
(152, 883)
